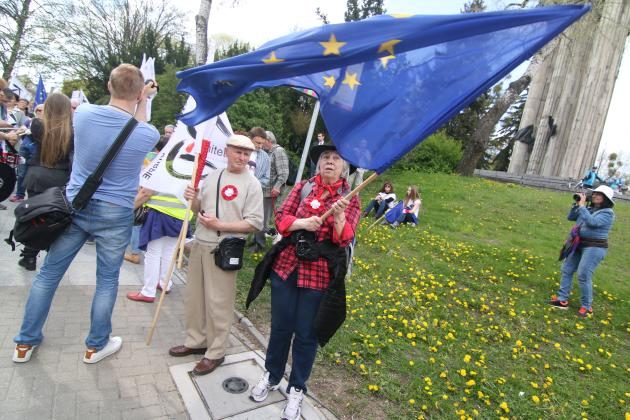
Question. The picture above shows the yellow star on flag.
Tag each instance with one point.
(388, 46)
(329, 81)
(385, 60)
(332, 46)
(272, 59)
(351, 80)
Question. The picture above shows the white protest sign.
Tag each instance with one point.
(171, 169)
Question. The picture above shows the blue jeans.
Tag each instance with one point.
(20, 189)
(584, 261)
(110, 225)
(380, 208)
(135, 240)
(293, 311)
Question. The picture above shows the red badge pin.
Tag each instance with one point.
(229, 192)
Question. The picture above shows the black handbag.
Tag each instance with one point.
(140, 215)
(228, 255)
(41, 219)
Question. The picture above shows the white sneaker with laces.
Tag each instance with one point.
(94, 356)
(23, 352)
(261, 390)
(293, 409)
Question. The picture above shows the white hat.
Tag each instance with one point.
(607, 191)
(238, 140)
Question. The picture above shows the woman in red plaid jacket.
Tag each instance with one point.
(298, 285)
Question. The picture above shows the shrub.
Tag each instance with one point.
(438, 153)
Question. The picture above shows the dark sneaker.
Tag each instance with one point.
(29, 263)
(583, 312)
(557, 303)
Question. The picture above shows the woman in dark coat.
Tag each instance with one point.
(298, 283)
(51, 162)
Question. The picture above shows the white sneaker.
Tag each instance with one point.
(23, 352)
(293, 409)
(94, 356)
(261, 390)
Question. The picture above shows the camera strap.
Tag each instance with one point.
(216, 212)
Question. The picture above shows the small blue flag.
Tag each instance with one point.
(40, 93)
(388, 82)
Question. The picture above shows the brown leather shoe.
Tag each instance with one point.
(132, 258)
(181, 351)
(206, 366)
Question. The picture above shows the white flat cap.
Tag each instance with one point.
(238, 140)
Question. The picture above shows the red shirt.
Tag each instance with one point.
(313, 274)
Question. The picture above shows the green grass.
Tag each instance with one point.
(449, 319)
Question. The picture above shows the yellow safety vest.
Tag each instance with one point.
(168, 205)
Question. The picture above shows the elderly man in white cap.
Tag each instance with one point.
(211, 291)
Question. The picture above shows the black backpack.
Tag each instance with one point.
(41, 219)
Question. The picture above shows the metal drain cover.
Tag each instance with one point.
(235, 385)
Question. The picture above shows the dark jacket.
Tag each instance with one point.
(332, 309)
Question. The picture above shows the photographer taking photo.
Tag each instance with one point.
(593, 224)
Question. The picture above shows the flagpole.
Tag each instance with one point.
(193, 182)
(353, 192)
(171, 268)
(307, 143)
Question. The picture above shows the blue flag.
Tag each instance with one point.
(40, 93)
(388, 82)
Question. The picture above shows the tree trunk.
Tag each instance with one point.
(201, 22)
(20, 22)
(485, 128)
(477, 145)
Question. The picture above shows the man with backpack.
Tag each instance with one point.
(107, 216)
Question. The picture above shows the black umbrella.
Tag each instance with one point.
(7, 181)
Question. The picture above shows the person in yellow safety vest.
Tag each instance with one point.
(158, 237)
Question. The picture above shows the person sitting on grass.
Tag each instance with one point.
(411, 207)
(384, 200)
(594, 223)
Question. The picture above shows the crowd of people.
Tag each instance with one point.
(314, 224)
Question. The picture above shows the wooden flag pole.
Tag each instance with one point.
(180, 248)
(171, 268)
(354, 192)
(376, 222)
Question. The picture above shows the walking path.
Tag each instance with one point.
(139, 382)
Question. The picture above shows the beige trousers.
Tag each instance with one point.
(210, 296)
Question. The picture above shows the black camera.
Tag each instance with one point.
(589, 196)
(306, 247)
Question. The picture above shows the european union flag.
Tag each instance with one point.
(40, 93)
(387, 82)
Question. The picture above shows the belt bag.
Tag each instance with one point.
(228, 255)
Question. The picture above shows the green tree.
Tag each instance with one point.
(168, 103)
(368, 8)
(497, 156)
(95, 37)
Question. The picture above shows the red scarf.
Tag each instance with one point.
(333, 189)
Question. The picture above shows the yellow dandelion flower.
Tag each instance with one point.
(535, 399)
(504, 406)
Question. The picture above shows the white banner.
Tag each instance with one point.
(171, 169)
(16, 86)
(148, 72)
(80, 96)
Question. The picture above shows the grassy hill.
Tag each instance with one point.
(450, 319)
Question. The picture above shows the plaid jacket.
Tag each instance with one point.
(279, 171)
(312, 274)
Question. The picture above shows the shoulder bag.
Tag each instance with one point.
(228, 255)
